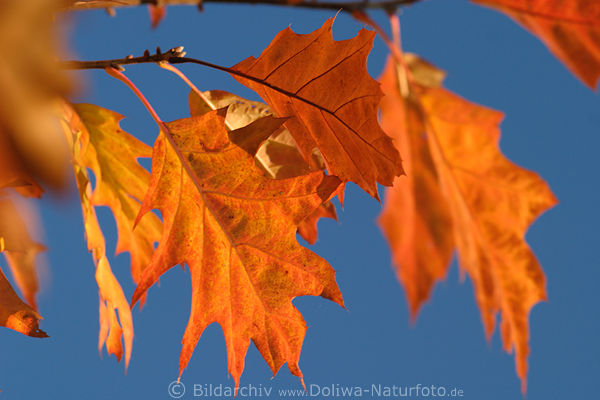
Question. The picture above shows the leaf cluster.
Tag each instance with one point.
(237, 180)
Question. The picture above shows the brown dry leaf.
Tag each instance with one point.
(278, 156)
(323, 88)
(482, 202)
(110, 292)
(15, 314)
(20, 250)
(30, 133)
(240, 112)
(570, 29)
(235, 229)
(157, 14)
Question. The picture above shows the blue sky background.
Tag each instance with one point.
(551, 127)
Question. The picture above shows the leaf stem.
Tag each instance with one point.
(207, 101)
(394, 46)
(115, 73)
(184, 78)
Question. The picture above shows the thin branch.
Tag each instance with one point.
(173, 56)
(170, 56)
(322, 5)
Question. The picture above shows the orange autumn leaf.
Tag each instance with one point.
(569, 28)
(307, 228)
(121, 182)
(112, 330)
(20, 250)
(110, 292)
(323, 88)
(482, 202)
(415, 218)
(235, 230)
(280, 157)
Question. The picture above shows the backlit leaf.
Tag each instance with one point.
(482, 202)
(570, 29)
(323, 88)
(121, 182)
(110, 292)
(235, 230)
(415, 219)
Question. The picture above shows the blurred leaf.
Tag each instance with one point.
(31, 141)
(570, 29)
(463, 192)
(20, 250)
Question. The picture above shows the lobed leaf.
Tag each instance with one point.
(323, 88)
(235, 230)
(94, 137)
(468, 195)
(121, 182)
